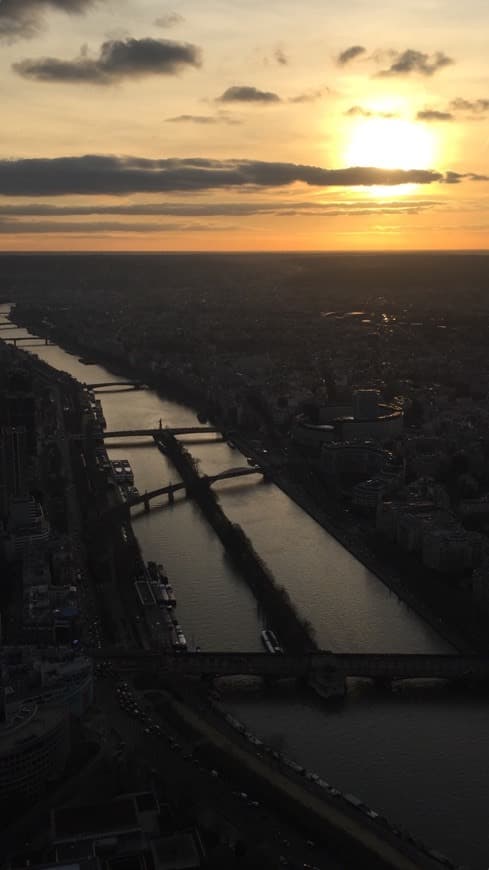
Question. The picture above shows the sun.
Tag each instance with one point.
(390, 143)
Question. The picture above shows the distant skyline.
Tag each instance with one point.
(239, 125)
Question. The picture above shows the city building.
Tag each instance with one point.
(124, 833)
(27, 525)
(13, 458)
(34, 748)
(47, 677)
(354, 458)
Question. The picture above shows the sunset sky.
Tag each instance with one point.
(244, 125)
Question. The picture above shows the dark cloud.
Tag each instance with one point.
(350, 54)
(220, 118)
(81, 228)
(23, 19)
(412, 61)
(434, 115)
(280, 57)
(169, 19)
(247, 94)
(310, 96)
(118, 59)
(360, 112)
(101, 174)
(193, 119)
(477, 107)
(15, 227)
(219, 209)
(457, 177)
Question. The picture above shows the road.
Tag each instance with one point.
(237, 814)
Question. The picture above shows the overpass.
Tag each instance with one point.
(171, 488)
(378, 666)
(152, 433)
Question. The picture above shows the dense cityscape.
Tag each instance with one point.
(360, 399)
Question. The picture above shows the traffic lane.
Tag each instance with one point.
(189, 784)
(259, 825)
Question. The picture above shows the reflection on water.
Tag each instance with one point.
(420, 760)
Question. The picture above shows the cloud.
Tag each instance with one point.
(118, 59)
(280, 57)
(310, 96)
(101, 174)
(247, 94)
(412, 61)
(248, 208)
(23, 19)
(434, 115)
(82, 228)
(169, 19)
(477, 107)
(359, 111)
(220, 118)
(349, 54)
(457, 177)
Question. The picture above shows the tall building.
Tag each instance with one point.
(13, 455)
(34, 747)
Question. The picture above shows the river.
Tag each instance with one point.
(419, 757)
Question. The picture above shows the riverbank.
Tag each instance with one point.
(347, 536)
(344, 828)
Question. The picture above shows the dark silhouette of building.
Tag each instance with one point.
(13, 449)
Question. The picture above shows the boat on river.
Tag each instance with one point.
(171, 594)
(122, 471)
(270, 642)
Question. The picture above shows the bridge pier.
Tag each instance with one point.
(171, 496)
(383, 683)
(147, 505)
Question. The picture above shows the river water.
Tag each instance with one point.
(419, 758)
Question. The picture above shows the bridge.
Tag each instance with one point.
(377, 666)
(152, 433)
(137, 385)
(171, 488)
(26, 339)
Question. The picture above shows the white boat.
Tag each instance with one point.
(270, 642)
(171, 594)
